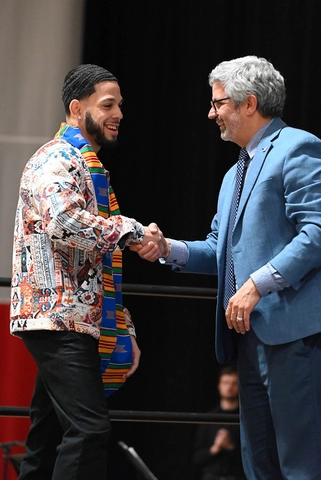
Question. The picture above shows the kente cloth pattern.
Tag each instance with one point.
(229, 287)
(115, 346)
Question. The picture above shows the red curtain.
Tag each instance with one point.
(18, 372)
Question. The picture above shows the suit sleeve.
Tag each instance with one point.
(302, 196)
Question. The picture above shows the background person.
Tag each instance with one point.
(217, 450)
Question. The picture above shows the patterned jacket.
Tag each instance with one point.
(59, 240)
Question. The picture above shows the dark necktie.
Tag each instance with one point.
(229, 287)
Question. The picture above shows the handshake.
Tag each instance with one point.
(154, 244)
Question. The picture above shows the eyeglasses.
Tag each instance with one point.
(219, 100)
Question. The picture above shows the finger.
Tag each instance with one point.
(238, 322)
(230, 315)
(228, 318)
(234, 317)
(150, 257)
(132, 369)
(151, 252)
(246, 322)
(149, 248)
(153, 227)
(240, 327)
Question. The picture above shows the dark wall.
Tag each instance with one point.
(168, 169)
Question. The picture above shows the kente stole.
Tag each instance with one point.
(115, 345)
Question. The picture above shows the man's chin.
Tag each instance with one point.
(107, 144)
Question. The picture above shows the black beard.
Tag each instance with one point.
(96, 132)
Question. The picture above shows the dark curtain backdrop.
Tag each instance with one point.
(168, 169)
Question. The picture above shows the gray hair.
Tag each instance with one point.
(252, 75)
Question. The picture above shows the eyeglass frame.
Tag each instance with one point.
(212, 102)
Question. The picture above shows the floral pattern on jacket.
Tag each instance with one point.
(59, 240)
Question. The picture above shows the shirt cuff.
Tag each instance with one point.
(268, 280)
(178, 255)
(135, 235)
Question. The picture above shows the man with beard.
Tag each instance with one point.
(217, 451)
(66, 284)
(264, 246)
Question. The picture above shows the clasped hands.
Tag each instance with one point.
(222, 441)
(154, 244)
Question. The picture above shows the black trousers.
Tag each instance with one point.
(70, 425)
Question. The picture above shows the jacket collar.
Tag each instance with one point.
(263, 149)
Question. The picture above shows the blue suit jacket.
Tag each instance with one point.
(278, 221)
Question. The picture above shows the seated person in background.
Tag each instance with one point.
(217, 451)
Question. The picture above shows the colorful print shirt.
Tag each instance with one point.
(59, 239)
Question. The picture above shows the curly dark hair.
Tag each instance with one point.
(80, 82)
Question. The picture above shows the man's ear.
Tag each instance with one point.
(75, 108)
(251, 104)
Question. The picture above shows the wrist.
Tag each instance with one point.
(168, 248)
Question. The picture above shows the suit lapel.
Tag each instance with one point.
(226, 204)
(264, 147)
(252, 175)
(262, 151)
